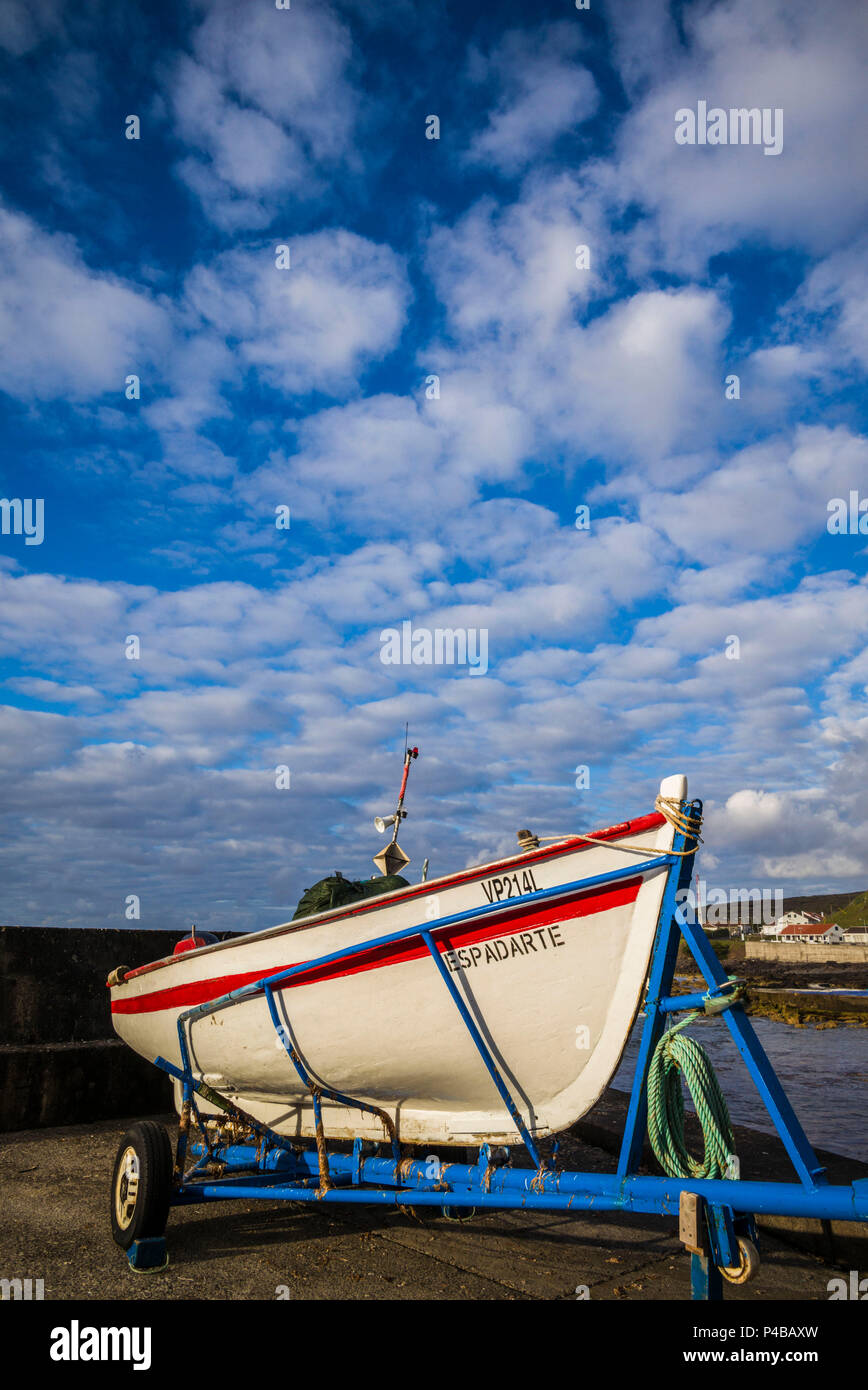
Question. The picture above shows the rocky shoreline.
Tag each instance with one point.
(772, 988)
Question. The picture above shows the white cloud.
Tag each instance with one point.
(360, 461)
(643, 377)
(791, 636)
(765, 499)
(315, 325)
(24, 24)
(637, 378)
(830, 310)
(796, 835)
(77, 333)
(509, 270)
(544, 92)
(265, 105)
(55, 692)
(788, 54)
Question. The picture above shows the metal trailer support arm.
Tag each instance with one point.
(317, 1091)
(484, 1051)
(674, 925)
(661, 975)
(763, 1075)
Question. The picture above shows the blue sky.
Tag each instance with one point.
(306, 388)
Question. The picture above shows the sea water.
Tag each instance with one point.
(824, 1072)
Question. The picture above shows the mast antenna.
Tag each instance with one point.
(393, 858)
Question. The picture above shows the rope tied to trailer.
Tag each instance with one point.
(677, 1056)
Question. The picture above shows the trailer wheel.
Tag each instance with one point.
(141, 1184)
(748, 1266)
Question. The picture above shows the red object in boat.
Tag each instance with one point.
(189, 943)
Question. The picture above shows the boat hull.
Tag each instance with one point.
(553, 984)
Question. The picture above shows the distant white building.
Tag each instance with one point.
(856, 936)
(791, 919)
(814, 933)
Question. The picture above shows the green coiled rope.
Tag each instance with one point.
(675, 1056)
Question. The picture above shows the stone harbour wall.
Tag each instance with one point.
(60, 1061)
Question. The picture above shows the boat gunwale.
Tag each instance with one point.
(569, 844)
(350, 960)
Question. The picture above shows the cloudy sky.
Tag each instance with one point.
(310, 386)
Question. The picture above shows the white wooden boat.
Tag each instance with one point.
(553, 982)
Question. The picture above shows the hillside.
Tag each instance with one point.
(855, 914)
(847, 909)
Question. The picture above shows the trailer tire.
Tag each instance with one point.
(141, 1184)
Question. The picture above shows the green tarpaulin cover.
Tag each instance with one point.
(337, 890)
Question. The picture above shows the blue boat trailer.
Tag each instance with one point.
(238, 1157)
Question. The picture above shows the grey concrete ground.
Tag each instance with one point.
(54, 1225)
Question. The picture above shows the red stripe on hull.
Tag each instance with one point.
(509, 923)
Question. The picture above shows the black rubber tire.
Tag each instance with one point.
(147, 1145)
